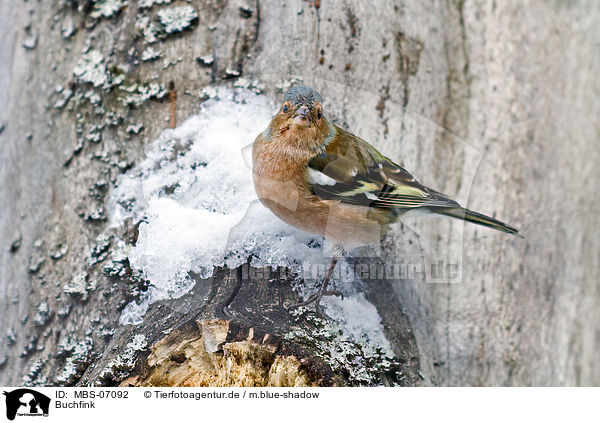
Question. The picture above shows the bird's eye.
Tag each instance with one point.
(319, 114)
(285, 108)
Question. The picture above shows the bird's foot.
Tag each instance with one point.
(316, 300)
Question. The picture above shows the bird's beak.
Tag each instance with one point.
(302, 116)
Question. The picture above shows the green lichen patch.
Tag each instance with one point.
(91, 69)
(80, 355)
(121, 366)
(107, 8)
(33, 376)
(147, 4)
(150, 54)
(136, 94)
(357, 363)
(177, 19)
(80, 286)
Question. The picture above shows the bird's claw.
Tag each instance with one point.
(316, 299)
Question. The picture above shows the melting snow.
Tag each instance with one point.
(194, 195)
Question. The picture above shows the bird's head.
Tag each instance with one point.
(300, 118)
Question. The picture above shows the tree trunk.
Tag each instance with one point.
(494, 103)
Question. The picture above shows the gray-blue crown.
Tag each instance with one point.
(303, 95)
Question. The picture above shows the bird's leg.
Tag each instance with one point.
(316, 298)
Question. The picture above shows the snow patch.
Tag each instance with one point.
(194, 196)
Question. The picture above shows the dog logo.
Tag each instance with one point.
(26, 402)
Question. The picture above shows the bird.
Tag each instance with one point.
(322, 179)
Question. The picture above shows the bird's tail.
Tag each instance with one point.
(478, 218)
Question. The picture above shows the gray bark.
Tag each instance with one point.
(495, 103)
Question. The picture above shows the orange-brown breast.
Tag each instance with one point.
(280, 181)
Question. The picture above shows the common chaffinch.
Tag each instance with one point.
(322, 179)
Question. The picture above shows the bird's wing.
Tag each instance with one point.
(354, 172)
